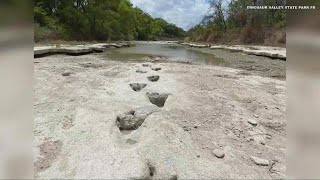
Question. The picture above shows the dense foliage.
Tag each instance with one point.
(233, 21)
(97, 20)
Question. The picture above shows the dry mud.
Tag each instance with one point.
(215, 122)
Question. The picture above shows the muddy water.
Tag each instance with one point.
(174, 52)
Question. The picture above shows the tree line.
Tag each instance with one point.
(100, 20)
(231, 21)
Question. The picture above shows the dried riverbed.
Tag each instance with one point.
(98, 118)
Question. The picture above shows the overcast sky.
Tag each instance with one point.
(183, 13)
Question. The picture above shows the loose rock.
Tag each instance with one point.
(137, 86)
(218, 153)
(66, 74)
(269, 136)
(153, 78)
(259, 161)
(252, 122)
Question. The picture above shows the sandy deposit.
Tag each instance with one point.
(216, 122)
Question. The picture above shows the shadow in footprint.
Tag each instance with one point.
(137, 86)
(153, 78)
(156, 68)
(133, 119)
(158, 99)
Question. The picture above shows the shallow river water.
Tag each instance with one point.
(174, 52)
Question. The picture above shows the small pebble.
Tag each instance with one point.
(256, 115)
(66, 74)
(252, 122)
(218, 153)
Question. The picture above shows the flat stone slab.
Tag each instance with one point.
(196, 45)
(271, 52)
(75, 50)
(267, 51)
(72, 50)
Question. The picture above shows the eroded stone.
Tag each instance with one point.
(259, 161)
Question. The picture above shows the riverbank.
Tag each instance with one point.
(215, 122)
(250, 64)
(266, 51)
(170, 51)
(75, 50)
